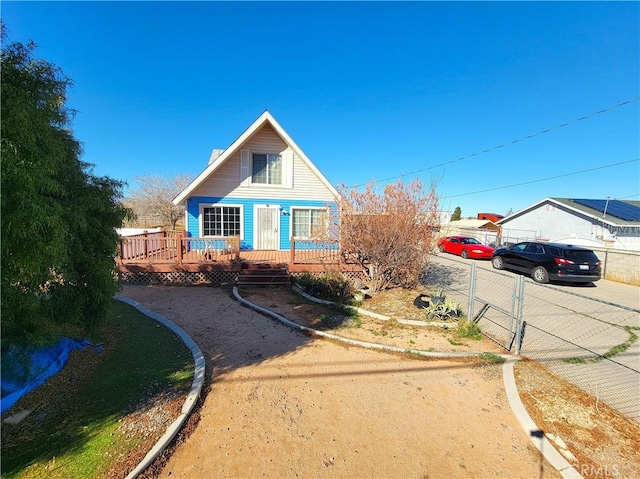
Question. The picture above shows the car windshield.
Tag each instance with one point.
(469, 241)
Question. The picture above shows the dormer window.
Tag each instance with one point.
(266, 169)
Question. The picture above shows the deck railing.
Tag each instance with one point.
(306, 251)
(168, 247)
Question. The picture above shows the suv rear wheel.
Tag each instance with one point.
(540, 275)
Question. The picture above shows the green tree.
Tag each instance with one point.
(57, 219)
(457, 214)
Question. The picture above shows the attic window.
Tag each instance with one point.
(266, 169)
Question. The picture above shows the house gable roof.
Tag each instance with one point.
(265, 118)
(580, 209)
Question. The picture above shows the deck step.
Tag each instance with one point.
(264, 276)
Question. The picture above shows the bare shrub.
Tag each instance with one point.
(154, 194)
(390, 233)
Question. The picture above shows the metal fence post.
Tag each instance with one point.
(472, 290)
(520, 318)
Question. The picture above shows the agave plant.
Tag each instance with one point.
(444, 310)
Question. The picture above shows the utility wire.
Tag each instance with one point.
(544, 179)
(509, 143)
(628, 196)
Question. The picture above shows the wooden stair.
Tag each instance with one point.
(263, 274)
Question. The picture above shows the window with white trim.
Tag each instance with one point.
(266, 169)
(308, 223)
(221, 221)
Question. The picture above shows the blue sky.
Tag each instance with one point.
(369, 90)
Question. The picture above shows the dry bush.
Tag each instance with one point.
(391, 233)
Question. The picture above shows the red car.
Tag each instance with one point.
(465, 246)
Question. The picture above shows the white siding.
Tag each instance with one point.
(225, 182)
(550, 222)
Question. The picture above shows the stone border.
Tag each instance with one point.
(192, 397)
(354, 342)
(381, 317)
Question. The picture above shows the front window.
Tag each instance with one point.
(221, 221)
(308, 223)
(267, 169)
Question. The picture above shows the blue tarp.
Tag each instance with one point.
(24, 369)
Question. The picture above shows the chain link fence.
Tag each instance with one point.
(590, 342)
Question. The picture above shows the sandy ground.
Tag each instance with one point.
(283, 404)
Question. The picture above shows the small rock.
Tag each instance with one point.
(568, 455)
(560, 443)
(17, 417)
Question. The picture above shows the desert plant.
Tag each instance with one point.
(443, 310)
(469, 329)
(438, 292)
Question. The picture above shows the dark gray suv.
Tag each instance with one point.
(549, 262)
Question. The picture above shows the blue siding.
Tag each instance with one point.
(193, 220)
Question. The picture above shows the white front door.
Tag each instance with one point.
(267, 227)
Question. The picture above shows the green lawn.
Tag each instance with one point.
(73, 429)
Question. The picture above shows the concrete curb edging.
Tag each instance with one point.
(354, 342)
(541, 443)
(381, 317)
(192, 397)
(548, 451)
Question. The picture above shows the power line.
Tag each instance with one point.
(628, 196)
(509, 143)
(545, 179)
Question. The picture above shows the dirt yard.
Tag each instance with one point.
(284, 404)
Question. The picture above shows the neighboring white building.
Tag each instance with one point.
(586, 222)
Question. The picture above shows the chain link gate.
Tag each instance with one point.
(500, 317)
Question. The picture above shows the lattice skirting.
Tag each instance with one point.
(180, 277)
(348, 274)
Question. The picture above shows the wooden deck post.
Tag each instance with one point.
(292, 251)
(236, 249)
(120, 259)
(179, 248)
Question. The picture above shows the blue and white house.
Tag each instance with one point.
(262, 188)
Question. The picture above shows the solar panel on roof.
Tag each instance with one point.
(617, 208)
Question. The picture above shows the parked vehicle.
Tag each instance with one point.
(549, 261)
(465, 246)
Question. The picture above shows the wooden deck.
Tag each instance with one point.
(165, 253)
